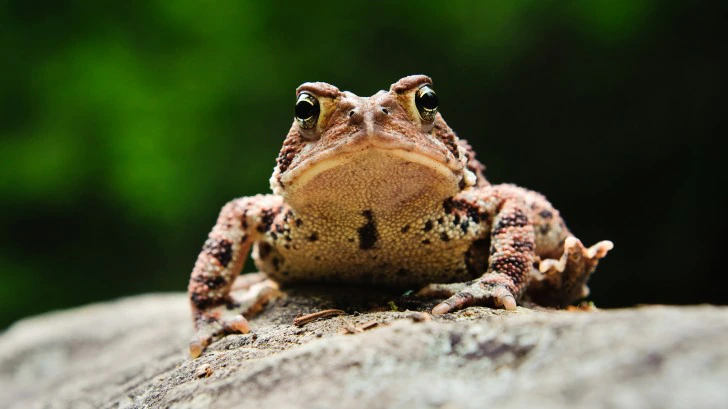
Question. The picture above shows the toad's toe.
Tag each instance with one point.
(479, 292)
(248, 297)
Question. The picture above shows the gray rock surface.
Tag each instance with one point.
(133, 353)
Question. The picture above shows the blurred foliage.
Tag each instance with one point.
(125, 127)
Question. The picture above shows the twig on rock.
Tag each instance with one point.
(305, 319)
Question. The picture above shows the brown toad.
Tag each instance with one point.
(380, 190)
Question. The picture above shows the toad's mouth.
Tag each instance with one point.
(315, 159)
(309, 171)
(385, 180)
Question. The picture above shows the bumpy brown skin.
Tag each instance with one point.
(375, 193)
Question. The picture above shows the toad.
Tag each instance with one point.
(381, 191)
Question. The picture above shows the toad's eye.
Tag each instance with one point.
(307, 110)
(426, 101)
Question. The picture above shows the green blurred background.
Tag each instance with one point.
(125, 127)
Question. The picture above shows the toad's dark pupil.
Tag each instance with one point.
(306, 107)
(427, 99)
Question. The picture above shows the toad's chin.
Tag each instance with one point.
(372, 178)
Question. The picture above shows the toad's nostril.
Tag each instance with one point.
(355, 116)
(385, 111)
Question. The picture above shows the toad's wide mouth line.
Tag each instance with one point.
(310, 171)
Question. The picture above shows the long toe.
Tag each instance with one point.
(478, 293)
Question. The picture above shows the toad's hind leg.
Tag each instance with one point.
(560, 282)
(564, 264)
(526, 231)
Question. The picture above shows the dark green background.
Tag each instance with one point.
(125, 127)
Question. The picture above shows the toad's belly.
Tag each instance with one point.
(371, 248)
(402, 268)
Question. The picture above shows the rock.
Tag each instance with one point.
(132, 353)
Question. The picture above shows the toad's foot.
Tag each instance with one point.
(248, 295)
(563, 281)
(483, 291)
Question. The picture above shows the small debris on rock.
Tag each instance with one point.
(204, 371)
(420, 316)
(351, 329)
(585, 306)
(305, 319)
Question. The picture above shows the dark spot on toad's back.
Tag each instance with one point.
(447, 205)
(220, 249)
(212, 282)
(264, 250)
(266, 219)
(313, 237)
(516, 218)
(523, 245)
(201, 302)
(368, 234)
(464, 226)
(428, 226)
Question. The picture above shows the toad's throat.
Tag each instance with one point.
(382, 179)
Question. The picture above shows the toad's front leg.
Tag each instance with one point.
(216, 297)
(510, 260)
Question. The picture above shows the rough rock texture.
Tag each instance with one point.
(132, 353)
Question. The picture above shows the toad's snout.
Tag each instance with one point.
(376, 120)
(371, 117)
